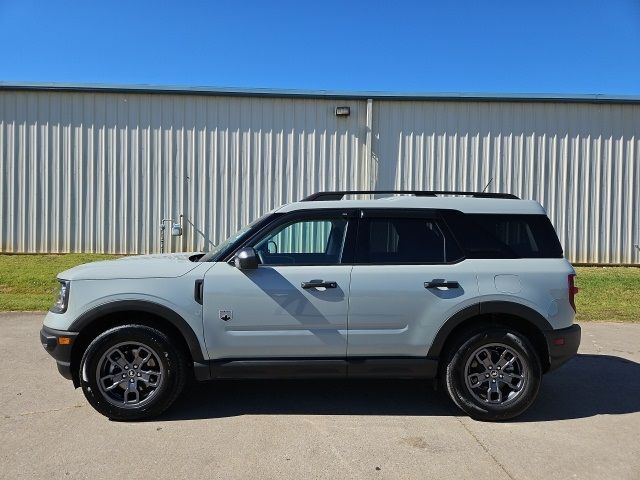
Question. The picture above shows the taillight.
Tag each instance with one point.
(571, 279)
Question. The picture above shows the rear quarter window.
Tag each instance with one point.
(504, 236)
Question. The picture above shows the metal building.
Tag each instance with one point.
(96, 168)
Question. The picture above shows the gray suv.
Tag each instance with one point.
(469, 289)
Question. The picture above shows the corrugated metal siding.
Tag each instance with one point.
(580, 161)
(98, 171)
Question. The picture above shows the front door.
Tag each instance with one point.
(295, 304)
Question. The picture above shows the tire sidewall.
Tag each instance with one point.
(455, 374)
(170, 358)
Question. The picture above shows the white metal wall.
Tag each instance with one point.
(95, 172)
(580, 161)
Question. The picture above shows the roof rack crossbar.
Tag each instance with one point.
(339, 195)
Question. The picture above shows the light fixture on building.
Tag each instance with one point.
(343, 111)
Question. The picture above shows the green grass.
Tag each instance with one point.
(27, 282)
(608, 294)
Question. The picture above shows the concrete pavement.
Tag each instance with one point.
(585, 424)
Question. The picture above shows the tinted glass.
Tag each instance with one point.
(304, 242)
(504, 236)
(404, 240)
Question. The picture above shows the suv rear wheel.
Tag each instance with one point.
(132, 372)
(492, 374)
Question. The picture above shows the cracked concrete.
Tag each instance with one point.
(484, 447)
(584, 424)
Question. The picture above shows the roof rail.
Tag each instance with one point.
(324, 196)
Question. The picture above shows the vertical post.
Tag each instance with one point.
(162, 237)
(183, 237)
(370, 172)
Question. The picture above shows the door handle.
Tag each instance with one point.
(319, 283)
(441, 283)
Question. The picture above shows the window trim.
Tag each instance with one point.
(418, 213)
(348, 248)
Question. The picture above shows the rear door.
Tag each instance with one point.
(408, 278)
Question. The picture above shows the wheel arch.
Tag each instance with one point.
(508, 314)
(110, 315)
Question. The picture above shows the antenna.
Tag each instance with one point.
(487, 185)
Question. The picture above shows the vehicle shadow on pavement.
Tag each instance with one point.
(228, 398)
(586, 386)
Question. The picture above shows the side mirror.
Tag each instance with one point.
(246, 259)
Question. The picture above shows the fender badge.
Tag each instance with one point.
(226, 315)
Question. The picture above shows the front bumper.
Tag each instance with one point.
(59, 344)
(562, 344)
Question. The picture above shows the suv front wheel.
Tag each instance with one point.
(492, 374)
(132, 372)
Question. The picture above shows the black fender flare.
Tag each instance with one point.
(486, 308)
(143, 306)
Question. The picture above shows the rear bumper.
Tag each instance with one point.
(562, 345)
(59, 350)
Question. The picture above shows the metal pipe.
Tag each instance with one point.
(162, 229)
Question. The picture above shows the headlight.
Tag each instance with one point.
(62, 299)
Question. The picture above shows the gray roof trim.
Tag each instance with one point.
(320, 94)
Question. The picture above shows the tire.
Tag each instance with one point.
(122, 383)
(477, 386)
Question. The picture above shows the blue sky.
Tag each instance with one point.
(480, 46)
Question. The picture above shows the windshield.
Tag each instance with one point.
(236, 237)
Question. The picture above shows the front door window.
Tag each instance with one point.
(304, 242)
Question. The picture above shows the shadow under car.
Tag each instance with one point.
(586, 386)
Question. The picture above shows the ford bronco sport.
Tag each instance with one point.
(469, 289)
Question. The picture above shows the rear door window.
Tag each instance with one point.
(404, 240)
